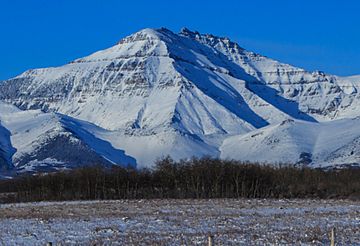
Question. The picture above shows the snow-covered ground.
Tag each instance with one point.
(181, 222)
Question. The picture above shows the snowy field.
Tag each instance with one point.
(181, 222)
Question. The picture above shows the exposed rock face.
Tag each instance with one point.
(6, 150)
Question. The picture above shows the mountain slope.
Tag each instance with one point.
(319, 95)
(41, 142)
(323, 144)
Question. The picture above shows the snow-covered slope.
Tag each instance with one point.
(37, 141)
(323, 144)
(147, 148)
(285, 87)
(159, 93)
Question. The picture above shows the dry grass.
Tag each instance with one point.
(184, 222)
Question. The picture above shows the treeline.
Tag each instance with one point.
(195, 178)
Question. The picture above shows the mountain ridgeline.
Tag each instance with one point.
(158, 93)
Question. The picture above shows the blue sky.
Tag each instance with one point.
(316, 35)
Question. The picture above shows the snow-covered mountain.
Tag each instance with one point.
(189, 94)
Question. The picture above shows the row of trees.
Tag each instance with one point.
(195, 178)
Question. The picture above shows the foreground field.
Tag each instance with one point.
(180, 222)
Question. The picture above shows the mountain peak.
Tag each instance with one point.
(147, 33)
(210, 39)
(143, 34)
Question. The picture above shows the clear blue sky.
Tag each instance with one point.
(313, 34)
